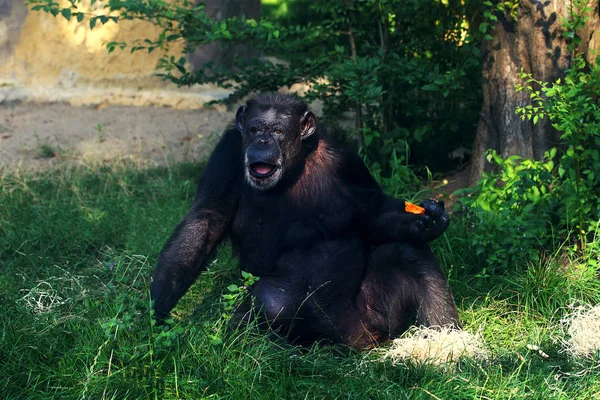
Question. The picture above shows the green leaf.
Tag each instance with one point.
(247, 275)
(233, 288)
(215, 340)
(66, 12)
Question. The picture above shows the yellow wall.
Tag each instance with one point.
(58, 60)
(51, 48)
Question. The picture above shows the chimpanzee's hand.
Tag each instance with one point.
(432, 224)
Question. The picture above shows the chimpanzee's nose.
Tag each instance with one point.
(263, 152)
(266, 139)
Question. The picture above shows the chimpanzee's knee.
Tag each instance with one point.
(274, 304)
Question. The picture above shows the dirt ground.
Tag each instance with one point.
(39, 135)
(36, 136)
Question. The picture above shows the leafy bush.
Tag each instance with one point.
(527, 205)
(509, 213)
(574, 110)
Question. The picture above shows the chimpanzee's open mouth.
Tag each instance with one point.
(262, 170)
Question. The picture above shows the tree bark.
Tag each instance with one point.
(214, 52)
(533, 42)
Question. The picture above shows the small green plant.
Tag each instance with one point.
(235, 296)
(100, 134)
(237, 293)
(45, 150)
(402, 179)
(579, 13)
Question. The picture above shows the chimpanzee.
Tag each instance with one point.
(337, 259)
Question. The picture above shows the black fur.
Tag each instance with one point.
(337, 258)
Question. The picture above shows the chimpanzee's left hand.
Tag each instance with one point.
(433, 223)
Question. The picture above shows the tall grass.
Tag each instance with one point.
(77, 247)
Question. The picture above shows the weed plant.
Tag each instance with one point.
(77, 247)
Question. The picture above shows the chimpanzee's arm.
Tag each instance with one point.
(186, 252)
(384, 218)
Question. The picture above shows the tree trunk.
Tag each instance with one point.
(214, 52)
(533, 42)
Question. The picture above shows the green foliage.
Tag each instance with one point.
(579, 13)
(408, 70)
(509, 213)
(495, 10)
(573, 108)
(401, 180)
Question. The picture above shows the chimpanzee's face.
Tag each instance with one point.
(272, 138)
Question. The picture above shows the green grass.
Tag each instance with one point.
(78, 245)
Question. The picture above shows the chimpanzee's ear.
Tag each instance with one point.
(308, 125)
(239, 118)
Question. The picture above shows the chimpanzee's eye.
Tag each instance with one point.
(277, 132)
(253, 130)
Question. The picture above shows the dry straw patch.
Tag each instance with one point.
(436, 346)
(41, 299)
(582, 327)
(52, 293)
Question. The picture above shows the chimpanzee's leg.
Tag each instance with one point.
(277, 303)
(312, 296)
(304, 316)
(403, 286)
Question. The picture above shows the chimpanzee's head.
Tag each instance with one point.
(274, 128)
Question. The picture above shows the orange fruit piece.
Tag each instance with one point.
(413, 208)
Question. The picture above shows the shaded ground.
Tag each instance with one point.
(37, 135)
(451, 182)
